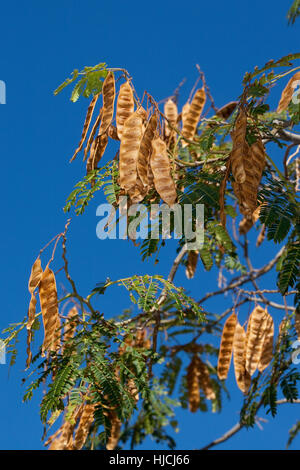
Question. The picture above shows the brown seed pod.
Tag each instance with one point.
(193, 383)
(129, 150)
(222, 194)
(49, 307)
(255, 339)
(287, 93)
(82, 431)
(239, 147)
(243, 379)
(86, 125)
(191, 263)
(189, 124)
(63, 441)
(145, 150)
(92, 135)
(225, 352)
(226, 110)
(247, 223)
(125, 106)
(137, 192)
(205, 381)
(132, 389)
(160, 165)
(184, 113)
(109, 93)
(34, 281)
(115, 431)
(267, 349)
(261, 235)
(70, 324)
(171, 113)
(112, 132)
(97, 152)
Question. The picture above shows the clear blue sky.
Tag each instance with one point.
(159, 42)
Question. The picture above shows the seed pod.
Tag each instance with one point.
(242, 376)
(239, 147)
(287, 93)
(129, 150)
(137, 192)
(222, 194)
(109, 92)
(226, 110)
(193, 384)
(225, 352)
(189, 125)
(112, 132)
(86, 125)
(92, 135)
(255, 339)
(160, 165)
(62, 442)
(184, 113)
(82, 431)
(114, 432)
(247, 223)
(125, 106)
(132, 389)
(70, 324)
(297, 324)
(261, 236)
(205, 381)
(171, 113)
(191, 263)
(49, 307)
(34, 281)
(145, 150)
(267, 349)
(97, 152)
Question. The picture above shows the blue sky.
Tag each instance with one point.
(159, 43)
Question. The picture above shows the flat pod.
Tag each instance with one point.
(239, 147)
(267, 348)
(171, 113)
(226, 110)
(192, 261)
(129, 150)
(193, 388)
(255, 339)
(86, 125)
(49, 307)
(125, 106)
(160, 165)
(225, 352)
(82, 431)
(189, 124)
(205, 381)
(145, 150)
(109, 93)
(242, 377)
(34, 281)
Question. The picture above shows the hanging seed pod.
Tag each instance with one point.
(205, 381)
(242, 377)
(225, 352)
(193, 384)
(125, 106)
(34, 281)
(82, 431)
(184, 113)
(70, 325)
(255, 339)
(226, 111)
(86, 125)
(145, 150)
(267, 349)
(112, 133)
(191, 263)
(97, 152)
(129, 150)
(247, 223)
(160, 165)
(222, 194)
(171, 113)
(239, 147)
(287, 93)
(261, 236)
(114, 432)
(92, 135)
(137, 192)
(109, 93)
(189, 124)
(49, 307)
(63, 441)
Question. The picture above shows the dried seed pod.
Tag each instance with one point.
(189, 124)
(267, 349)
(82, 431)
(132, 389)
(34, 281)
(243, 378)
(125, 106)
(171, 113)
(287, 93)
(226, 110)
(239, 147)
(225, 352)
(70, 324)
(205, 381)
(86, 125)
(92, 135)
(261, 235)
(63, 441)
(184, 113)
(109, 93)
(97, 152)
(222, 194)
(49, 307)
(193, 383)
(129, 150)
(145, 150)
(113, 133)
(297, 324)
(160, 165)
(114, 432)
(255, 339)
(137, 192)
(142, 112)
(191, 263)
(247, 223)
